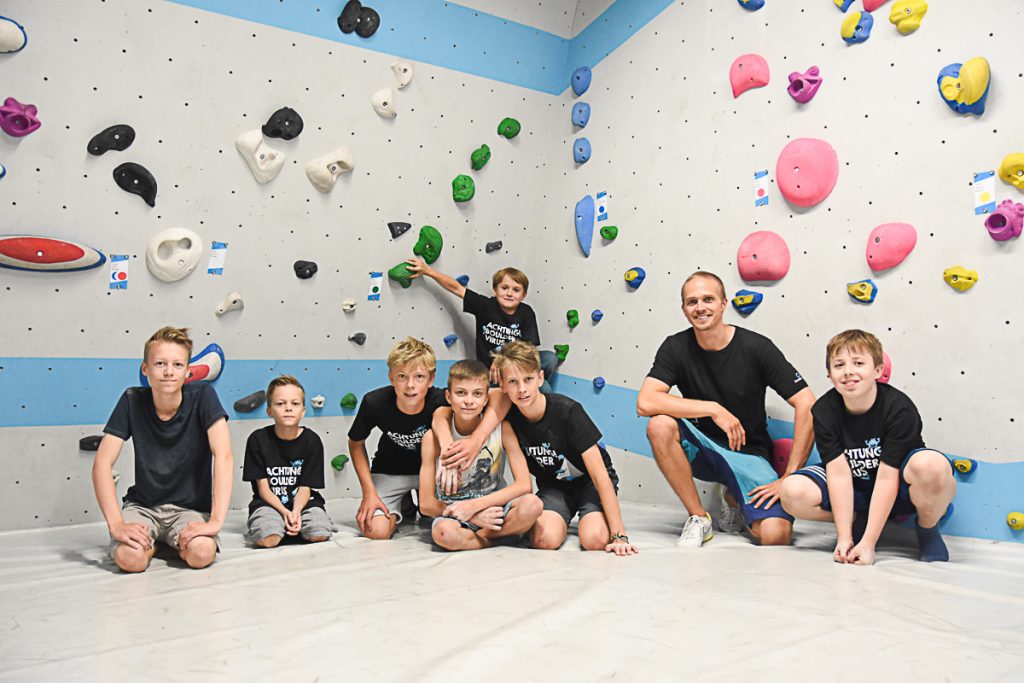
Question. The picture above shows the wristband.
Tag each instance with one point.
(619, 537)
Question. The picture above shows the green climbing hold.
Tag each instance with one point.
(463, 188)
(479, 158)
(561, 351)
(573, 317)
(509, 128)
(429, 244)
(609, 232)
(349, 401)
(401, 274)
(338, 462)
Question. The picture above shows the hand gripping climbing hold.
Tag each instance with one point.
(509, 128)
(864, 291)
(959, 278)
(889, 244)
(173, 253)
(136, 179)
(249, 403)
(463, 188)
(480, 156)
(17, 119)
(964, 87)
(232, 302)
(806, 171)
(429, 244)
(118, 138)
(635, 277)
(763, 257)
(324, 172)
(1006, 222)
(285, 123)
(748, 71)
(401, 274)
(572, 317)
(263, 161)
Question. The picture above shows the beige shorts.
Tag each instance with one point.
(164, 522)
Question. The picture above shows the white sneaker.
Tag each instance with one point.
(696, 532)
(730, 519)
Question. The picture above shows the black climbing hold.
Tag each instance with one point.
(305, 269)
(90, 443)
(349, 17)
(398, 229)
(369, 22)
(358, 338)
(493, 246)
(249, 403)
(285, 123)
(118, 138)
(134, 178)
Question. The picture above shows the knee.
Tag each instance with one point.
(201, 552)
(130, 560)
(316, 538)
(530, 507)
(545, 540)
(662, 428)
(593, 541)
(775, 532)
(928, 469)
(380, 531)
(442, 534)
(798, 493)
(268, 541)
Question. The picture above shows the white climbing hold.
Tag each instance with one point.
(173, 253)
(384, 103)
(323, 172)
(232, 302)
(403, 72)
(264, 161)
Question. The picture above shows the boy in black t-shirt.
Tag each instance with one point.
(174, 427)
(875, 464)
(285, 463)
(561, 444)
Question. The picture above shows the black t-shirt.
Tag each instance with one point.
(173, 458)
(735, 377)
(554, 444)
(495, 327)
(887, 432)
(398, 451)
(286, 465)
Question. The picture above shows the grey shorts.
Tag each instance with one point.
(469, 525)
(164, 522)
(266, 521)
(392, 488)
(569, 502)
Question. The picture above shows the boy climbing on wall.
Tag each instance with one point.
(483, 508)
(874, 462)
(175, 428)
(285, 463)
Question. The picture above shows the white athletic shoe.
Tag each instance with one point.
(696, 532)
(730, 519)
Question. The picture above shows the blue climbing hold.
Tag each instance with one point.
(580, 114)
(450, 340)
(599, 383)
(596, 315)
(581, 80)
(864, 291)
(753, 5)
(581, 150)
(635, 277)
(584, 218)
(463, 280)
(746, 301)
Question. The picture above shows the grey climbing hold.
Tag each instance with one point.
(305, 269)
(90, 443)
(249, 403)
(493, 246)
(358, 338)
(398, 229)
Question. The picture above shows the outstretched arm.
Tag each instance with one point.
(419, 267)
(654, 399)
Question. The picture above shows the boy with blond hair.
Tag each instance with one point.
(175, 428)
(874, 461)
(285, 464)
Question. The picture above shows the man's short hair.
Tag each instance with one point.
(703, 273)
(468, 370)
(514, 274)
(411, 351)
(170, 335)
(520, 353)
(284, 380)
(854, 340)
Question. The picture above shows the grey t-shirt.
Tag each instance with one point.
(485, 475)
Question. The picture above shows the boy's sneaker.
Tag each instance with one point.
(696, 532)
(730, 519)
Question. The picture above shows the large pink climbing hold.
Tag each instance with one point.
(886, 368)
(748, 71)
(872, 5)
(889, 244)
(763, 257)
(807, 171)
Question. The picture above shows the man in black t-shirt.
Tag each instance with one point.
(717, 431)
(874, 462)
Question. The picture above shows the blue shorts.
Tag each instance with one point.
(901, 507)
(738, 472)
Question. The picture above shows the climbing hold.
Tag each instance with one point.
(173, 253)
(449, 340)
(401, 274)
(856, 27)
(752, 5)
(480, 156)
(90, 443)
(584, 218)
(746, 301)
(383, 102)
(580, 114)
(232, 302)
(369, 22)
(463, 280)
(463, 188)
(3, 170)
(599, 383)
(573, 318)
(355, 17)
(596, 315)
(429, 244)
(964, 87)
(358, 338)
(285, 123)
(763, 257)
(864, 290)
(264, 162)
(748, 71)
(886, 368)
(907, 15)
(317, 402)
(338, 462)
(965, 465)
(959, 278)
(17, 119)
(398, 229)
(304, 269)
(1015, 520)
(781, 449)
(403, 72)
(349, 401)
(804, 86)
(561, 351)
(1006, 222)
(135, 178)
(806, 171)
(580, 80)
(348, 305)
(610, 232)
(28, 252)
(12, 36)
(634, 277)
(872, 5)
(889, 244)
(843, 5)
(493, 246)
(509, 128)
(205, 366)
(1012, 170)
(581, 150)
(323, 172)
(249, 403)
(118, 138)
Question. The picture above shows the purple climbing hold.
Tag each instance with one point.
(17, 119)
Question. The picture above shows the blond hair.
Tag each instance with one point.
(169, 335)
(466, 370)
(283, 381)
(702, 273)
(854, 340)
(514, 274)
(522, 354)
(411, 351)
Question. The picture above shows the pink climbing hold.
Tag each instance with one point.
(1006, 222)
(886, 368)
(889, 244)
(748, 71)
(807, 171)
(763, 257)
(872, 5)
(804, 86)
(781, 448)
(17, 119)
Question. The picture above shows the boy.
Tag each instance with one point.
(483, 508)
(285, 463)
(886, 469)
(573, 471)
(175, 428)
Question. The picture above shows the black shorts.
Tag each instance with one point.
(567, 502)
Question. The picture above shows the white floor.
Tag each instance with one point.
(353, 610)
